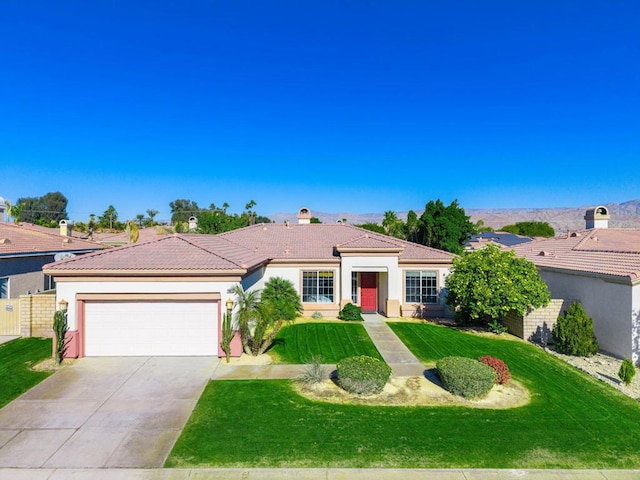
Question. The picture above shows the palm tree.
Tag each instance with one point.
(261, 314)
(246, 314)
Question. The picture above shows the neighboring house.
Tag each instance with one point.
(25, 249)
(502, 239)
(600, 267)
(166, 296)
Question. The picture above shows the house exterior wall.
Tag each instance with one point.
(427, 310)
(25, 274)
(611, 306)
(68, 290)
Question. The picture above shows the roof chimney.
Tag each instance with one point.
(65, 228)
(597, 217)
(193, 223)
(304, 216)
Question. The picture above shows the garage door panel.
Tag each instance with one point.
(151, 328)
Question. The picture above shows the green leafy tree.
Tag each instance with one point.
(140, 219)
(573, 332)
(627, 371)
(531, 229)
(486, 284)
(109, 218)
(46, 210)
(14, 211)
(411, 227)
(182, 209)
(393, 226)
(373, 227)
(261, 314)
(445, 228)
(315, 220)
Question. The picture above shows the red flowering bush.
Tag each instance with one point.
(502, 371)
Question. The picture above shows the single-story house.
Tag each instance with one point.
(167, 296)
(26, 248)
(600, 267)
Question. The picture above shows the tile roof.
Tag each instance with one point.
(27, 240)
(319, 241)
(606, 251)
(170, 253)
(245, 248)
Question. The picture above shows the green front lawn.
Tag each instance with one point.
(16, 358)
(572, 421)
(330, 341)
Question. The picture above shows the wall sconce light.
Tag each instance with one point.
(63, 305)
(229, 304)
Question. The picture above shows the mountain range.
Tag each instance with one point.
(626, 215)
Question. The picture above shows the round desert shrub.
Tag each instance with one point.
(351, 312)
(573, 333)
(362, 375)
(502, 371)
(627, 371)
(465, 376)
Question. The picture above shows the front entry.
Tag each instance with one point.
(369, 291)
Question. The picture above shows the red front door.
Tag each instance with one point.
(369, 292)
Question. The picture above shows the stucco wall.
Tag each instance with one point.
(610, 305)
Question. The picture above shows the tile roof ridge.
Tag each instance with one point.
(105, 251)
(210, 251)
(42, 233)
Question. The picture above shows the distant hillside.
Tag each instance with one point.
(625, 214)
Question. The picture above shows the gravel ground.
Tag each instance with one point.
(604, 368)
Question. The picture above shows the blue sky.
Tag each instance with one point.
(340, 106)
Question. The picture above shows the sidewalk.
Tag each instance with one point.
(314, 474)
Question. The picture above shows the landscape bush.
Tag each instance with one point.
(497, 327)
(466, 377)
(314, 373)
(502, 371)
(362, 375)
(627, 371)
(351, 312)
(573, 332)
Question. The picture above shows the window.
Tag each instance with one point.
(421, 287)
(354, 288)
(317, 287)
(4, 287)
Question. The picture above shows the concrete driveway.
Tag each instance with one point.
(104, 412)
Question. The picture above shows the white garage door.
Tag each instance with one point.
(141, 328)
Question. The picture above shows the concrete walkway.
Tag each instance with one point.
(403, 363)
(315, 474)
(122, 412)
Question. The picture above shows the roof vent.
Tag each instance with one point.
(576, 234)
(544, 253)
(287, 223)
(339, 222)
(4, 241)
(66, 240)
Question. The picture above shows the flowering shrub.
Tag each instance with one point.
(363, 375)
(465, 376)
(502, 371)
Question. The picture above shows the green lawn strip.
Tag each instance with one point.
(16, 358)
(572, 421)
(299, 343)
